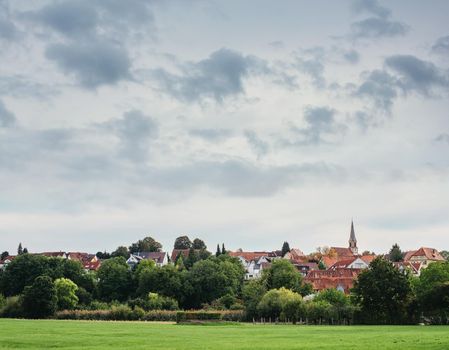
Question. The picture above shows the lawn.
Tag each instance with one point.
(52, 334)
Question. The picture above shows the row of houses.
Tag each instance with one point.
(337, 268)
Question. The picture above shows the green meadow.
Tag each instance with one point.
(53, 334)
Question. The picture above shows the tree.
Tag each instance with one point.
(199, 244)
(148, 244)
(19, 249)
(114, 280)
(285, 248)
(121, 251)
(218, 252)
(144, 265)
(25, 250)
(252, 293)
(103, 255)
(383, 293)
(4, 255)
(66, 294)
(283, 273)
(22, 271)
(39, 299)
(280, 303)
(445, 254)
(395, 253)
(192, 258)
(333, 297)
(183, 242)
(321, 265)
(223, 250)
(166, 280)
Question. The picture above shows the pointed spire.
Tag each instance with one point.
(352, 236)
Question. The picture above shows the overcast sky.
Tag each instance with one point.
(243, 122)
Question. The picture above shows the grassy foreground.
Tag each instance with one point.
(52, 334)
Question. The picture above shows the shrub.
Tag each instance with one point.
(12, 308)
(154, 301)
(189, 316)
(122, 313)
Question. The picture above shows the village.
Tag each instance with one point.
(327, 268)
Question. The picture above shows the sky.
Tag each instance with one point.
(244, 122)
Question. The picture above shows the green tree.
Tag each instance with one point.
(395, 253)
(199, 244)
(333, 297)
(66, 294)
(321, 265)
(280, 303)
(383, 293)
(166, 280)
(4, 255)
(183, 242)
(114, 280)
(285, 248)
(252, 293)
(283, 273)
(19, 249)
(218, 252)
(223, 250)
(143, 265)
(22, 271)
(121, 251)
(148, 244)
(39, 299)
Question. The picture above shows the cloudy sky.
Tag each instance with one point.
(244, 122)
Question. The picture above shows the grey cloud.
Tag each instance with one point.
(217, 77)
(417, 75)
(214, 135)
(277, 44)
(8, 30)
(7, 118)
(240, 178)
(379, 87)
(259, 146)
(352, 56)
(136, 131)
(93, 64)
(370, 6)
(314, 68)
(374, 27)
(443, 138)
(71, 18)
(18, 85)
(441, 46)
(320, 124)
(95, 18)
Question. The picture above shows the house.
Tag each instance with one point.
(59, 254)
(92, 265)
(425, 256)
(404, 266)
(160, 258)
(255, 262)
(82, 257)
(352, 263)
(340, 278)
(305, 267)
(295, 255)
(6, 261)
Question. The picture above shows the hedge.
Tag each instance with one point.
(119, 313)
(200, 315)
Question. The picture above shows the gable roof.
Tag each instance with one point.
(409, 254)
(338, 278)
(343, 252)
(429, 253)
(157, 257)
(249, 256)
(368, 258)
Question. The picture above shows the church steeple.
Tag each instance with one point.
(353, 240)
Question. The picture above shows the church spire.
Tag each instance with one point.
(353, 240)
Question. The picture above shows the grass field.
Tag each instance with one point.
(52, 334)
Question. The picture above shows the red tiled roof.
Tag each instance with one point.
(429, 253)
(92, 265)
(368, 258)
(328, 261)
(409, 254)
(343, 252)
(9, 257)
(249, 256)
(52, 254)
(325, 279)
(342, 263)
